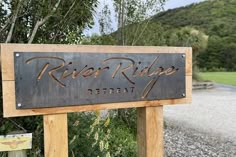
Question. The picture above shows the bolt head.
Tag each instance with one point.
(17, 54)
(19, 105)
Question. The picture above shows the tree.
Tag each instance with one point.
(40, 21)
(137, 13)
(211, 57)
(37, 21)
(3, 21)
(220, 54)
(190, 37)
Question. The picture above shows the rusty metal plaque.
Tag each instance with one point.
(64, 79)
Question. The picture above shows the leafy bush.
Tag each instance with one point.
(91, 134)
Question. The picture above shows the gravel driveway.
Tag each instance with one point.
(207, 127)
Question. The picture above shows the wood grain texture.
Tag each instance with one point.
(150, 132)
(7, 65)
(55, 135)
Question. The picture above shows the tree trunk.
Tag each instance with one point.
(41, 22)
(36, 27)
(9, 36)
(120, 33)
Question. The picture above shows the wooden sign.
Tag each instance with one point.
(36, 77)
(94, 78)
(63, 79)
(15, 142)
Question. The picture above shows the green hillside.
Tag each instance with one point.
(209, 27)
(216, 18)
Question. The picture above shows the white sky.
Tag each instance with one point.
(170, 4)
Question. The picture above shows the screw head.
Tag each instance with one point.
(19, 105)
(183, 94)
(183, 56)
(17, 54)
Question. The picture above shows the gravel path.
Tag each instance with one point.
(187, 142)
(207, 127)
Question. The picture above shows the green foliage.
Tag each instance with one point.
(69, 16)
(129, 119)
(128, 12)
(217, 20)
(3, 19)
(91, 134)
(209, 27)
(123, 143)
(88, 133)
(98, 40)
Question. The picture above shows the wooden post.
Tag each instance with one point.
(55, 135)
(150, 132)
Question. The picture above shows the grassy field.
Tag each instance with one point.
(228, 78)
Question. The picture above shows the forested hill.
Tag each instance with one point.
(217, 19)
(209, 27)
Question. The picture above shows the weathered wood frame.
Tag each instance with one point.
(8, 80)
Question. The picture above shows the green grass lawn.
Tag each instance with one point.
(228, 78)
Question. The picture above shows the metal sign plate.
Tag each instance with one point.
(63, 79)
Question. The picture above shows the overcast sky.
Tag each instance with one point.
(170, 4)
